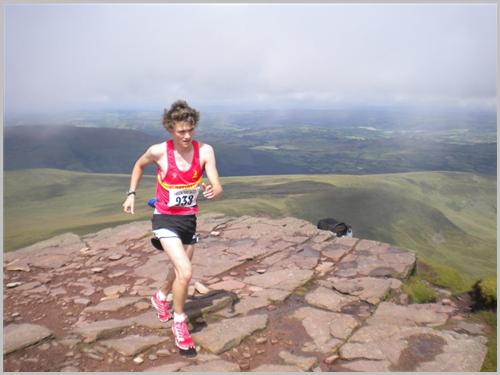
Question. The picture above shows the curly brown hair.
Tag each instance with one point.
(180, 111)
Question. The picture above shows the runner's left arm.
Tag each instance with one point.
(214, 189)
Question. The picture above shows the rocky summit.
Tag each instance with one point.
(266, 295)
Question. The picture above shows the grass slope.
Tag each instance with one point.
(447, 218)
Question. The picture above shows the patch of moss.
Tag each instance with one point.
(445, 277)
(488, 289)
(300, 291)
(490, 319)
(418, 290)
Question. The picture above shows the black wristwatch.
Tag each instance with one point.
(130, 193)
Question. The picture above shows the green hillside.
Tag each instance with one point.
(447, 218)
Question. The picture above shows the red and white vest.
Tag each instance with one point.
(178, 191)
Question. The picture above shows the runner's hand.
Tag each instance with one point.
(128, 205)
(208, 191)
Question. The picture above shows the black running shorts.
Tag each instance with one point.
(182, 226)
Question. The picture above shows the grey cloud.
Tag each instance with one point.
(85, 55)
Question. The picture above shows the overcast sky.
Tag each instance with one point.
(70, 56)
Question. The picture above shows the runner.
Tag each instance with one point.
(181, 162)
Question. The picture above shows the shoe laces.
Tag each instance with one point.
(181, 330)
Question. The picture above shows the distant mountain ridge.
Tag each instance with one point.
(254, 151)
(102, 150)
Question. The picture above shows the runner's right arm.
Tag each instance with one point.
(152, 155)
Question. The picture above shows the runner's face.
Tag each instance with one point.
(182, 134)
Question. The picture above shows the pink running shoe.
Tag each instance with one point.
(161, 307)
(183, 339)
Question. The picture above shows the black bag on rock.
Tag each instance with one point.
(340, 229)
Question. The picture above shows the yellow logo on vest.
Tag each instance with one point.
(195, 175)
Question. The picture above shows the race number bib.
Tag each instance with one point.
(183, 197)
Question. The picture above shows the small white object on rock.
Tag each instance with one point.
(202, 289)
(14, 284)
(329, 360)
(84, 250)
(215, 233)
(97, 269)
(261, 270)
(141, 306)
(82, 301)
(138, 360)
(163, 353)
(115, 256)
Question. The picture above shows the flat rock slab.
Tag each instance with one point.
(273, 295)
(429, 314)
(217, 365)
(208, 303)
(329, 299)
(156, 267)
(113, 304)
(171, 367)
(276, 368)
(304, 363)
(209, 262)
(328, 330)
(370, 289)
(364, 365)
(247, 304)
(132, 345)
(416, 348)
(221, 336)
(230, 284)
(19, 336)
(111, 238)
(101, 329)
(370, 258)
(281, 279)
(335, 251)
(64, 244)
(403, 338)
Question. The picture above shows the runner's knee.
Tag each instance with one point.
(184, 274)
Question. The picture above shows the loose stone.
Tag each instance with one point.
(163, 353)
(14, 284)
(141, 306)
(329, 360)
(138, 360)
(261, 340)
(44, 347)
(202, 289)
(115, 256)
(244, 366)
(94, 356)
(82, 301)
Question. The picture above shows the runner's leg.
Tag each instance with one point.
(167, 285)
(182, 271)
